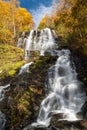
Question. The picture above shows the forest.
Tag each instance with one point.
(13, 21)
(69, 19)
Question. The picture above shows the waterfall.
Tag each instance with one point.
(66, 95)
(25, 68)
(3, 89)
(41, 41)
(65, 91)
(2, 120)
(28, 45)
(21, 40)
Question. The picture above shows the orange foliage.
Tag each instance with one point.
(13, 20)
(69, 17)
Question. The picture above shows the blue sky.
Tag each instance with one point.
(34, 4)
(38, 8)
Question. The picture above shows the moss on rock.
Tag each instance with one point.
(11, 59)
(27, 91)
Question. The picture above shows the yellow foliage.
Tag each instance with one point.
(13, 20)
(44, 22)
(72, 15)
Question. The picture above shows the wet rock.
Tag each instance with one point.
(38, 33)
(34, 55)
(41, 128)
(84, 110)
(81, 66)
(2, 121)
(65, 125)
(22, 102)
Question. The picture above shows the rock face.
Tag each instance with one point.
(27, 90)
(64, 125)
(22, 101)
(81, 66)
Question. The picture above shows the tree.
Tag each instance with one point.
(69, 19)
(13, 20)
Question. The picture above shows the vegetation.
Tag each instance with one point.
(13, 21)
(11, 58)
(70, 21)
(21, 102)
(27, 93)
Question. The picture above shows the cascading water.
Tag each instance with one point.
(2, 120)
(21, 41)
(41, 41)
(28, 45)
(66, 95)
(65, 92)
(25, 68)
(3, 89)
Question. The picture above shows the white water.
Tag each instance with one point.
(2, 120)
(25, 68)
(3, 89)
(66, 94)
(42, 43)
(21, 41)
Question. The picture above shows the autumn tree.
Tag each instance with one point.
(13, 7)
(71, 16)
(25, 19)
(69, 19)
(13, 20)
(44, 22)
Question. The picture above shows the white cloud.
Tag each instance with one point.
(39, 13)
